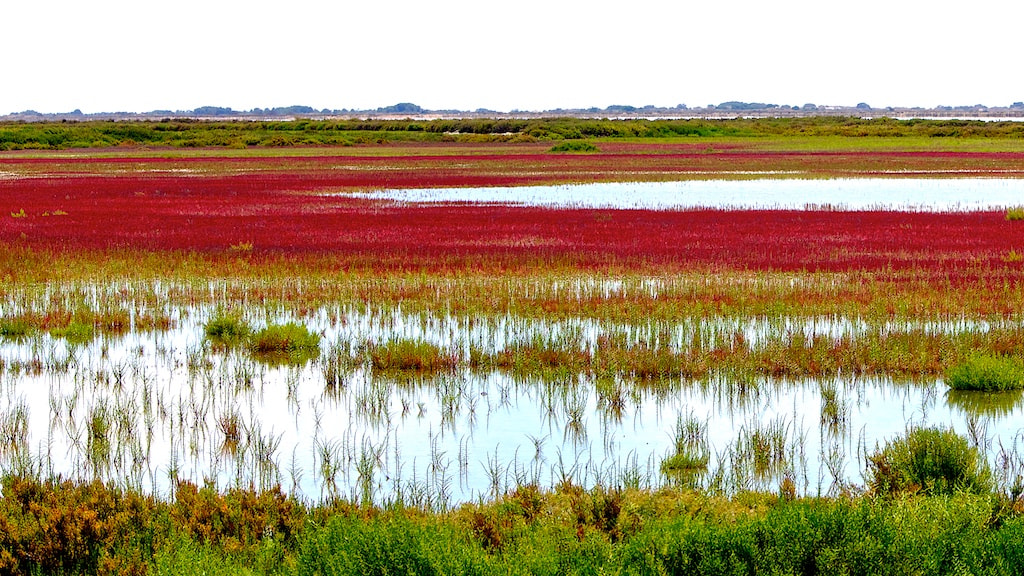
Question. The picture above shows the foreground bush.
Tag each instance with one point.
(987, 373)
(931, 460)
(67, 528)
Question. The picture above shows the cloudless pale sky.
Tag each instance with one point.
(136, 56)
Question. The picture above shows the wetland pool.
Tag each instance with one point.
(889, 193)
(147, 407)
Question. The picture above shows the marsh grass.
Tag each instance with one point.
(688, 464)
(75, 333)
(410, 355)
(16, 329)
(227, 329)
(289, 343)
(1015, 214)
(982, 372)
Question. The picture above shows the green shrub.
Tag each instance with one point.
(75, 333)
(291, 342)
(15, 329)
(574, 146)
(931, 460)
(1015, 214)
(227, 329)
(988, 373)
(388, 545)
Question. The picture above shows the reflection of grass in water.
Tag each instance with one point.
(975, 403)
(834, 410)
(688, 464)
(98, 439)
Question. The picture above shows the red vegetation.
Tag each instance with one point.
(274, 210)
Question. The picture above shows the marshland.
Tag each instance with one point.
(267, 364)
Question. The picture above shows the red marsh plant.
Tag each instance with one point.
(264, 213)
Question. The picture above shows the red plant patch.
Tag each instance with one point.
(274, 206)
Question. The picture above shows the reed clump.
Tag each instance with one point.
(290, 342)
(227, 329)
(410, 355)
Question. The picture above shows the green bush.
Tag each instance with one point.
(574, 146)
(227, 329)
(15, 329)
(931, 460)
(988, 373)
(1015, 214)
(291, 342)
(75, 333)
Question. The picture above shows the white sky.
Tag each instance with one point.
(135, 56)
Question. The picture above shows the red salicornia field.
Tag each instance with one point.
(298, 205)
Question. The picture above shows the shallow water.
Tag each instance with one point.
(890, 193)
(148, 407)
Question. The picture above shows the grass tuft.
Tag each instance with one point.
(290, 343)
(987, 373)
(227, 330)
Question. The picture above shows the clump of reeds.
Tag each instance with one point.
(689, 462)
(289, 342)
(406, 354)
(75, 332)
(226, 329)
(987, 373)
(15, 329)
(1015, 214)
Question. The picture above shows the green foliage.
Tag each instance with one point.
(226, 329)
(76, 332)
(392, 545)
(60, 527)
(931, 460)
(1015, 214)
(15, 328)
(574, 146)
(192, 134)
(987, 373)
(405, 354)
(290, 343)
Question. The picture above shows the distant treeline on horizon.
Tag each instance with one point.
(407, 108)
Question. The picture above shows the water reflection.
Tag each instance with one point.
(147, 408)
(905, 193)
(991, 404)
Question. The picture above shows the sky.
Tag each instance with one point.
(132, 56)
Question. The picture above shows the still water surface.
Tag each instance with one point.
(147, 407)
(904, 193)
